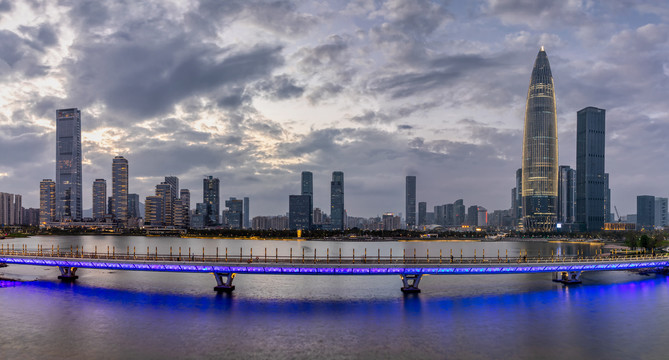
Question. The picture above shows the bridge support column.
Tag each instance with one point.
(224, 281)
(68, 273)
(567, 277)
(410, 282)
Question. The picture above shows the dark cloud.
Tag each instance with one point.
(5, 6)
(88, 14)
(148, 80)
(537, 14)
(280, 88)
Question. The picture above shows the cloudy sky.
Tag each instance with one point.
(254, 92)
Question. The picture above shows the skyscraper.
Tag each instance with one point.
(458, 212)
(47, 201)
(661, 212)
(99, 199)
(410, 201)
(308, 189)
(11, 212)
(68, 164)
(566, 195)
(298, 212)
(164, 190)
(153, 211)
(540, 150)
(337, 200)
(133, 206)
(645, 212)
(247, 223)
(518, 210)
(120, 188)
(590, 176)
(422, 213)
(184, 195)
(235, 213)
(212, 200)
(174, 181)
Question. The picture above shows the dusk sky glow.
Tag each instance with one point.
(254, 92)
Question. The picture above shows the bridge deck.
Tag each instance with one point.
(377, 265)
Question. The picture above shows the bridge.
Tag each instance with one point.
(565, 269)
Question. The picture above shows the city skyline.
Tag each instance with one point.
(369, 90)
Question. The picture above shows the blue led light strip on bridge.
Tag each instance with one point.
(335, 269)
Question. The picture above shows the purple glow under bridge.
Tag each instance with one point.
(566, 272)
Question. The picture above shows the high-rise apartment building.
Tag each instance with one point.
(410, 201)
(645, 212)
(458, 212)
(164, 190)
(68, 165)
(99, 199)
(174, 181)
(212, 200)
(11, 211)
(308, 189)
(540, 150)
(120, 188)
(590, 176)
(153, 211)
(337, 213)
(472, 215)
(566, 210)
(47, 201)
(422, 213)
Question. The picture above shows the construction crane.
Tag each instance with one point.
(618, 215)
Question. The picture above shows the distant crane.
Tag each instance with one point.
(618, 215)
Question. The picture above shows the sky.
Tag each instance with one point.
(255, 92)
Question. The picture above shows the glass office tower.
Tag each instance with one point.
(68, 165)
(540, 150)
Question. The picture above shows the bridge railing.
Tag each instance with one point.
(266, 259)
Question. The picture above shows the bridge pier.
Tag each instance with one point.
(410, 282)
(68, 273)
(224, 281)
(567, 277)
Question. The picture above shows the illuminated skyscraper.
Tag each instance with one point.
(540, 150)
(99, 199)
(47, 201)
(212, 200)
(337, 201)
(308, 189)
(120, 188)
(68, 164)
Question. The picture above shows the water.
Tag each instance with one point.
(116, 314)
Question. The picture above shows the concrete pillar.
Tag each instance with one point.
(68, 273)
(410, 282)
(224, 281)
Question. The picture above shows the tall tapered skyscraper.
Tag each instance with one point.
(540, 150)
(308, 189)
(410, 201)
(68, 164)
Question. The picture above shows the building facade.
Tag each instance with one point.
(68, 165)
(422, 213)
(337, 214)
(308, 190)
(47, 201)
(212, 200)
(133, 206)
(566, 210)
(247, 208)
(410, 201)
(590, 175)
(120, 188)
(11, 210)
(99, 199)
(540, 150)
(645, 212)
(661, 212)
(298, 212)
(235, 213)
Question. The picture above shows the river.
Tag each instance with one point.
(124, 314)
